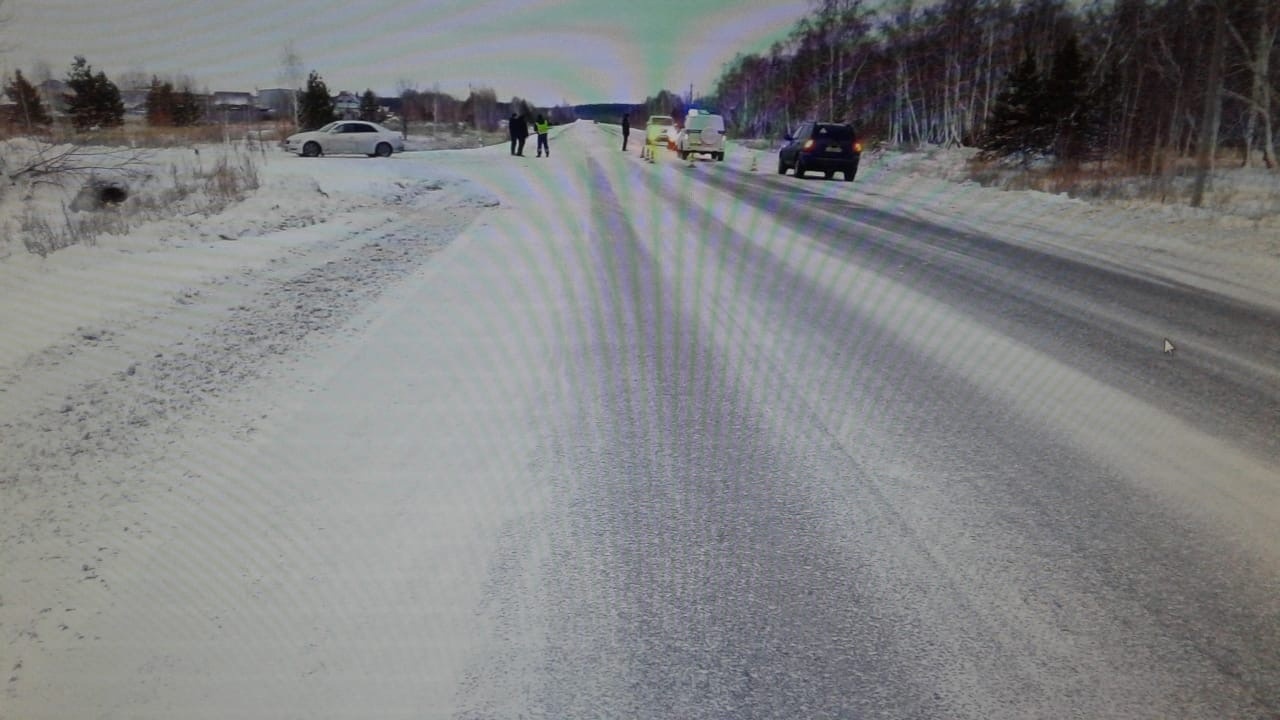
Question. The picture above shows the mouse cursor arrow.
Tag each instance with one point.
(1168, 347)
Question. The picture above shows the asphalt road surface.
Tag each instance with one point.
(893, 471)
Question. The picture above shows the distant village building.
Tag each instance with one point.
(346, 106)
(53, 93)
(223, 106)
(278, 102)
(393, 105)
(234, 107)
(232, 99)
(135, 100)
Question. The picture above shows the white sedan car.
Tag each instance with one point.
(346, 136)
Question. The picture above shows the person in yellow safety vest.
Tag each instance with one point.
(542, 126)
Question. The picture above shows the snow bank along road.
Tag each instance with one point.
(647, 441)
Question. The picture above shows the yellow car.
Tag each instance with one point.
(658, 131)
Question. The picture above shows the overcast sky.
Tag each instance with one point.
(542, 50)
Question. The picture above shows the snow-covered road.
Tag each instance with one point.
(589, 437)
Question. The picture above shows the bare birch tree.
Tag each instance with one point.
(292, 74)
(5, 16)
(1264, 19)
(1212, 113)
(930, 72)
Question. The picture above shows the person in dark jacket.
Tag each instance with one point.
(519, 130)
(626, 129)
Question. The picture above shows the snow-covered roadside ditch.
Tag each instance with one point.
(110, 350)
(303, 253)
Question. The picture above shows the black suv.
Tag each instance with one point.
(827, 148)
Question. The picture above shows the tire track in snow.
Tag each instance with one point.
(85, 417)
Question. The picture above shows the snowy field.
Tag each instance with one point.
(184, 306)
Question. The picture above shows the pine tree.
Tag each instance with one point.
(1068, 107)
(30, 110)
(160, 103)
(186, 108)
(1018, 123)
(369, 107)
(315, 106)
(110, 104)
(94, 101)
(80, 101)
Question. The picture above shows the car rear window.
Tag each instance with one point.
(833, 132)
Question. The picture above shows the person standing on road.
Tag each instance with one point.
(543, 127)
(626, 129)
(519, 132)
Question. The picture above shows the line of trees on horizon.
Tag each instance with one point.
(480, 109)
(1144, 81)
(95, 101)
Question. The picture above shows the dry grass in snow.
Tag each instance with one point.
(61, 195)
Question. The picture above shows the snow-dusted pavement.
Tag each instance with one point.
(488, 437)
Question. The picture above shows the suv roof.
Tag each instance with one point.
(835, 131)
(703, 120)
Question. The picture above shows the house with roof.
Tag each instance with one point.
(278, 102)
(234, 107)
(346, 106)
(54, 95)
(135, 101)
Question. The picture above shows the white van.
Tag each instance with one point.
(702, 133)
